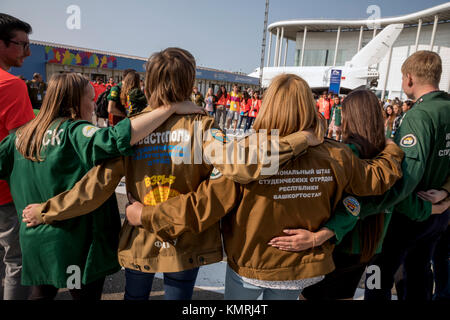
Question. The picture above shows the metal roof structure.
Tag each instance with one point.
(291, 27)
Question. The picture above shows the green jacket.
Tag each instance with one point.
(346, 223)
(114, 95)
(336, 110)
(89, 242)
(136, 102)
(424, 136)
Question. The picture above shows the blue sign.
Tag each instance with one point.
(335, 81)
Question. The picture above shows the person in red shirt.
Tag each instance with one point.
(244, 110)
(99, 87)
(255, 104)
(221, 107)
(15, 111)
(323, 105)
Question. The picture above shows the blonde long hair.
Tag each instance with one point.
(62, 100)
(131, 81)
(288, 105)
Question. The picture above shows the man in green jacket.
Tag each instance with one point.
(424, 136)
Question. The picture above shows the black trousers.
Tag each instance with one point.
(90, 291)
(412, 244)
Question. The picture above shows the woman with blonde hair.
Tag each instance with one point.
(303, 193)
(47, 156)
(209, 102)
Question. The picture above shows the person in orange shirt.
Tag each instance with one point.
(323, 106)
(244, 110)
(221, 107)
(255, 104)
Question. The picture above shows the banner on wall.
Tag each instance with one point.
(79, 58)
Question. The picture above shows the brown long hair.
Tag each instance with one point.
(62, 100)
(170, 77)
(131, 81)
(288, 105)
(362, 125)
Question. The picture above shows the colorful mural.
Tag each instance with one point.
(79, 58)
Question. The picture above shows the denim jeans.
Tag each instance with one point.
(11, 255)
(177, 285)
(249, 123)
(241, 118)
(238, 289)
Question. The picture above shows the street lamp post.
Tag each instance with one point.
(263, 47)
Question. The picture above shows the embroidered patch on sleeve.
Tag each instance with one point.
(88, 131)
(409, 140)
(352, 205)
(215, 174)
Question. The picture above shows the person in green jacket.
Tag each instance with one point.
(49, 155)
(116, 110)
(424, 136)
(131, 95)
(334, 127)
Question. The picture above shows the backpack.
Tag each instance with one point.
(102, 104)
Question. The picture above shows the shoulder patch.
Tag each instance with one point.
(409, 140)
(352, 205)
(215, 174)
(219, 135)
(88, 131)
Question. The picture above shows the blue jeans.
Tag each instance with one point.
(249, 123)
(241, 118)
(177, 285)
(237, 289)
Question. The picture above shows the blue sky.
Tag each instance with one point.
(225, 35)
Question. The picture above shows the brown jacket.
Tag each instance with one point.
(154, 175)
(302, 195)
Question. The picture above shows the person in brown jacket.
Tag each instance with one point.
(303, 193)
(172, 160)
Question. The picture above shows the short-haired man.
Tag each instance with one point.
(235, 106)
(424, 136)
(15, 111)
(36, 90)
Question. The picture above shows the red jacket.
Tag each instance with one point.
(223, 100)
(255, 105)
(323, 105)
(245, 107)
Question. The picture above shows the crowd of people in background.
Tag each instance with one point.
(234, 111)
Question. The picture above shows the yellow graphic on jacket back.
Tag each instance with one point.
(160, 189)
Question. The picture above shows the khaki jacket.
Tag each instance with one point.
(302, 194)
(167, 164)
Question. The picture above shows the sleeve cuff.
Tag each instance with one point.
(39, 214)
(123, 137)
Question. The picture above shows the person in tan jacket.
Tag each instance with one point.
(172, 160)
(303, 193)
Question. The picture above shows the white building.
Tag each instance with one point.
(333, 42)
